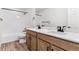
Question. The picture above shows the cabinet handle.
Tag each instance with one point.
(52, 49)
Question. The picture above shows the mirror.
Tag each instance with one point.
(59, 16)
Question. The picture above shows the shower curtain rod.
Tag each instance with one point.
(14, 10)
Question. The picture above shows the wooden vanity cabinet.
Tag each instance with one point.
(59, 44)
(42, 42)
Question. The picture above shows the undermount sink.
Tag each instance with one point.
(55, 32)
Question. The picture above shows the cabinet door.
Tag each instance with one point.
(42, 45)
(54, 48)
(33, 43)
(28, 41)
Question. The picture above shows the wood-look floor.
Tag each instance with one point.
(13, 46)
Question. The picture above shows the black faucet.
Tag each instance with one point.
(60, 28)
(39, 27)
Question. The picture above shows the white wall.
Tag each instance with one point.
(56, 16)
(61, 16)
(12, 25)
(73, 19)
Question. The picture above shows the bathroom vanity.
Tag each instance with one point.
(42, 40)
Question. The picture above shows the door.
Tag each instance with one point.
(28, 41)
(33, 43)
(42, 45)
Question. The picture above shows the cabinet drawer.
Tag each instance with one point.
(31, 32)
(64, 44)
(42, 45)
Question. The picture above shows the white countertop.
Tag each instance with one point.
(71, 36)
